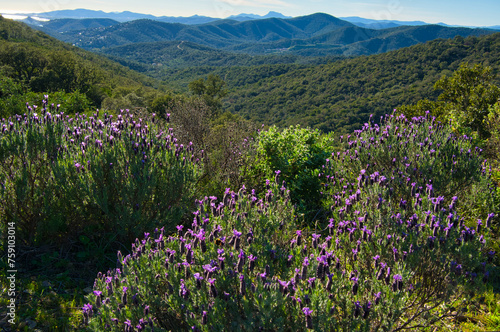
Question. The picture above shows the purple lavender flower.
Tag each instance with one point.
(488, 220)
(395, 254)
(251, 262)
(242, 285)
(315, 238)
(213, 290)
(179, 228)
(398, 282)
(124, 295)
(355, 285)
(87, 312)
(308, 313)
(311, 282)
(128, 325)
(98, 293)
(306, 261)
(299, 237)
(357, 309)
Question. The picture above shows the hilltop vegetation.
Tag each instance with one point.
(340, 95)
(33, 64)
(331, 93)
(159, 58)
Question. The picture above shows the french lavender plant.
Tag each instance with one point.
(398, 223)
(429, 153)
(229, 270)
(96, 175)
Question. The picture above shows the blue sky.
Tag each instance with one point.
(459, 12)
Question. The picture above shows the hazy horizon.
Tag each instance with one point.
(456, 12)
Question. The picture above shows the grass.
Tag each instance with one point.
(484, 312)
(50, 290)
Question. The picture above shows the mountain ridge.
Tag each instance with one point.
(200, 19)
(317, 34)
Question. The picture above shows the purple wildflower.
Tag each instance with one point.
(308, 313)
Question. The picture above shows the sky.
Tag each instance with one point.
(453, 12)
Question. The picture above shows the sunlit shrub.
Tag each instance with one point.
(425, 153)
(412, 184)
(109, 178)
(395, 254)
(298, 154)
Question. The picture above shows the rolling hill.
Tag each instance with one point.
(32, 62)
(340, 95)
(313, 35)
(218, 34)
(180, 54)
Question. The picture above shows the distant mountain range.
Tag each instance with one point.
(312, 35)
(130, 16)
(197, 19)
(248, 17)
(380, 24)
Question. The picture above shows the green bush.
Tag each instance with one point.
(103, 177)
(297, 154)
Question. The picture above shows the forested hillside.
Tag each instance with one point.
(327, 93)
(311, 35)
(340, 95)
(33, 64)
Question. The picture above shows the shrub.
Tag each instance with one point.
(107, 178)
(298, 154)
(415, 181)
(396, 253)
(222, 140)
(425, 152)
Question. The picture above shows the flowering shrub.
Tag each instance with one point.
(395, 254)
(419, 194)
(102, 176)
(221, 272)
(424, 153)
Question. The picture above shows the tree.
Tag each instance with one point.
(468, 95)
(466, 98)
(211, 90)
(161, 104)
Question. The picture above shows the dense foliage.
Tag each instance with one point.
(395, 249)
(340, 96)
(109, 178)
(297, 154)
(465, 99)
(33, 64)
